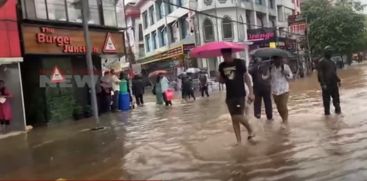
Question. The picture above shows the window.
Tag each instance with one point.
(71, 11)
(74, 10)
(260, 21)
(241, 29)
(208, 2)
(259, 2)
(248, 19)
(109, 12)
(208, 30)
(169, 7)
(160, 9)
(272, 21)
(94, 12)
(154, 40)
(40, 8)
(145, 19)
(147, 43)
(174, 32)
(280, 14)
(227, 28)
(56, 10)
(271, 4)
(179, 3)
(184, 25)
(151, 15)
(162, 36)
(140, 32)
(173, 7)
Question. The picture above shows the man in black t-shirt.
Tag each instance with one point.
(329, 82)
(233, 73)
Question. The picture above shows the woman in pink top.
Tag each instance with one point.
(5, 107)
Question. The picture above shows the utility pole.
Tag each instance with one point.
(88, 55)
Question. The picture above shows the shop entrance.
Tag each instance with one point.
(50, 102)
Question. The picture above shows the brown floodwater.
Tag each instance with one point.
(195, 141)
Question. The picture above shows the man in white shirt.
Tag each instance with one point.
(280, 75)
(116, 90)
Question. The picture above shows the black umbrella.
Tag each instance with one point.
(270, 52)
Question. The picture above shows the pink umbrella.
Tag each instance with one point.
(213, 49)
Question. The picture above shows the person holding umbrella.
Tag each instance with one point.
(280, 75)
(233, 73)
(260, 72)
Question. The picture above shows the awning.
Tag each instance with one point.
(175, 52)
(9, 60)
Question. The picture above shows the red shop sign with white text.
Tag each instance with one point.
(50, 40)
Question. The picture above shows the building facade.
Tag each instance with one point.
(166, 34)
(54, 71)
(255, 22)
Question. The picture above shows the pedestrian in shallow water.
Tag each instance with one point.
(330, 82)
(280, 75)
(138, 89)
(260, 73)
(204, 88)
(157, 90)
(165, 86)
(233, 72)
(105, 94)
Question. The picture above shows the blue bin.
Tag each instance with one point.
(124, 101)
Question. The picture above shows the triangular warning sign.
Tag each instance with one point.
(57, 77)
(109, 46)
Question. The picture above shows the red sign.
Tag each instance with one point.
(261, 34)
(109, 46)
(57, 77)
(9, 35)
(299, 28)
(47, 36)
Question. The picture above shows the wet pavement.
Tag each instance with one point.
(195, 141)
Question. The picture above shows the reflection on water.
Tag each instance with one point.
(195, 141)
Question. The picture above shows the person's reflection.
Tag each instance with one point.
(272, 153)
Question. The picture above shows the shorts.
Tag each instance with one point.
(236, 106)
(4, 122)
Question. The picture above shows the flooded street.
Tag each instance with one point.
(195, 141)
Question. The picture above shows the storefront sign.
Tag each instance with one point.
(261, 34)
(171, 53)
(50, 40)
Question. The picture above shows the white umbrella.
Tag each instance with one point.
(193, 70)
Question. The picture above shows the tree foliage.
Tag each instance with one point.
(338, 25)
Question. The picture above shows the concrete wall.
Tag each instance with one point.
(11, 75)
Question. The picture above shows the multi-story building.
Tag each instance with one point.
(134, 32)
(256, 22)
(166, 34)
(54, 70)
(168, 29)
